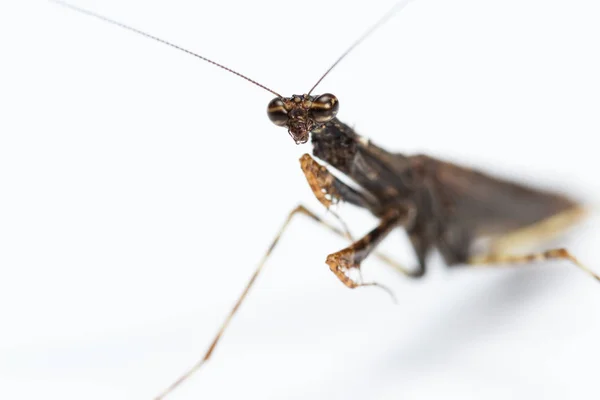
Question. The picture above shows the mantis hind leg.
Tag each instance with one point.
(504, 250)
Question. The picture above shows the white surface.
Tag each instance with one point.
(139, 187)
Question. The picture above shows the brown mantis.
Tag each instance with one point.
(342, 108)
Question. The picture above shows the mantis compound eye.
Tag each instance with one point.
(324, 108)
(277, 112)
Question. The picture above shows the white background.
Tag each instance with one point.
(139, 187)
